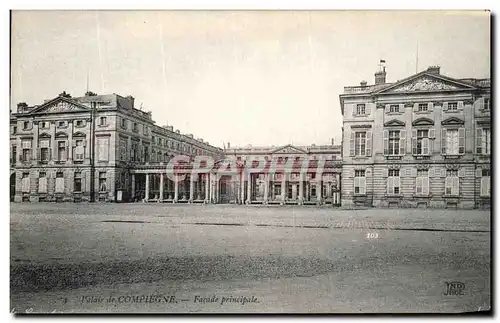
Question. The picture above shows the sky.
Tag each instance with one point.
(245, 77)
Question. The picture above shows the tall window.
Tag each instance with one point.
(102, 121)
(61, 150)
(135, 127)
(451, 147)
(26, 125)
(103, 146)
(423, 107)
(44, 150)
(146, 153)
(359, 182)
(123, 149)
(79, 152)
(26, 153)
(393, 142)
(422, 147)
(451, 182)
(59, 182)
(422, 182)
(393, 182)
(486, 105)
(42, 182)
(485, 182)
(25, 182)
(124, 123)
(102, 182)
(483, 144)
(360, 109)
(13, 154)
(133, 152)
(78, 182)
(360, 144)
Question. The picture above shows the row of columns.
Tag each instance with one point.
(212, 182)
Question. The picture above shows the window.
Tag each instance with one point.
(14, 154)
(483, 141)
(145, 130)
(78, 182)
(133, 153)
(393, 142)
(135, 127)
(451, 147)
(14, 130)
(61, 124)
(421, 146)
(123, 149)
(485, 182)
(79, 123)
(59, 182)
(313, 191)
(451, 182)
(45, 124)
(423, 107)
(102, 182)
(360, 144)
(453, 106)
(25, 182)
(79, 152)
(422, 182)
(360, 109)
(359, 182)
(393, 182)
(26, 125)
(26, 152)
(42, 182)
(103, 149)
(61, 150)
(102, 121)
(277, 190)
(123, 123)
(486, 105)
(394, 108)
(146, 154)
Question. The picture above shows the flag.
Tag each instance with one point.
(382, 61)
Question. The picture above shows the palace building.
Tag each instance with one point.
(424, 141)
(52, 144)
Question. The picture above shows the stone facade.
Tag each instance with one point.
(51, 148)
(420, 142)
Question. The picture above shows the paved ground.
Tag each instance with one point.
(113, 257)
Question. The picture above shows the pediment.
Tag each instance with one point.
(394, 123)
(452, 121)
(288, 149)
(60, 105)
(424, 82)
(423, 122)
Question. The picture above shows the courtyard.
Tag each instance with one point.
(245, 259)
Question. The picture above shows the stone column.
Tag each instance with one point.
(301, 188)
(207, 187)
(319, 190)
(266, 188)
(132, 176)
(176, 188)
(191, 188)
(70, 141)
(242, 186)
(249, 188)
(283, 186)
(146, 195)
(161, 188)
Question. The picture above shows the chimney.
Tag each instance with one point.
(380, 77)
(333, 141)
(363, 83)
(228, 145)
(171, 128)
(21, 106)
(190, 135)
(131, 100)
(433, 70)
(177, 131)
